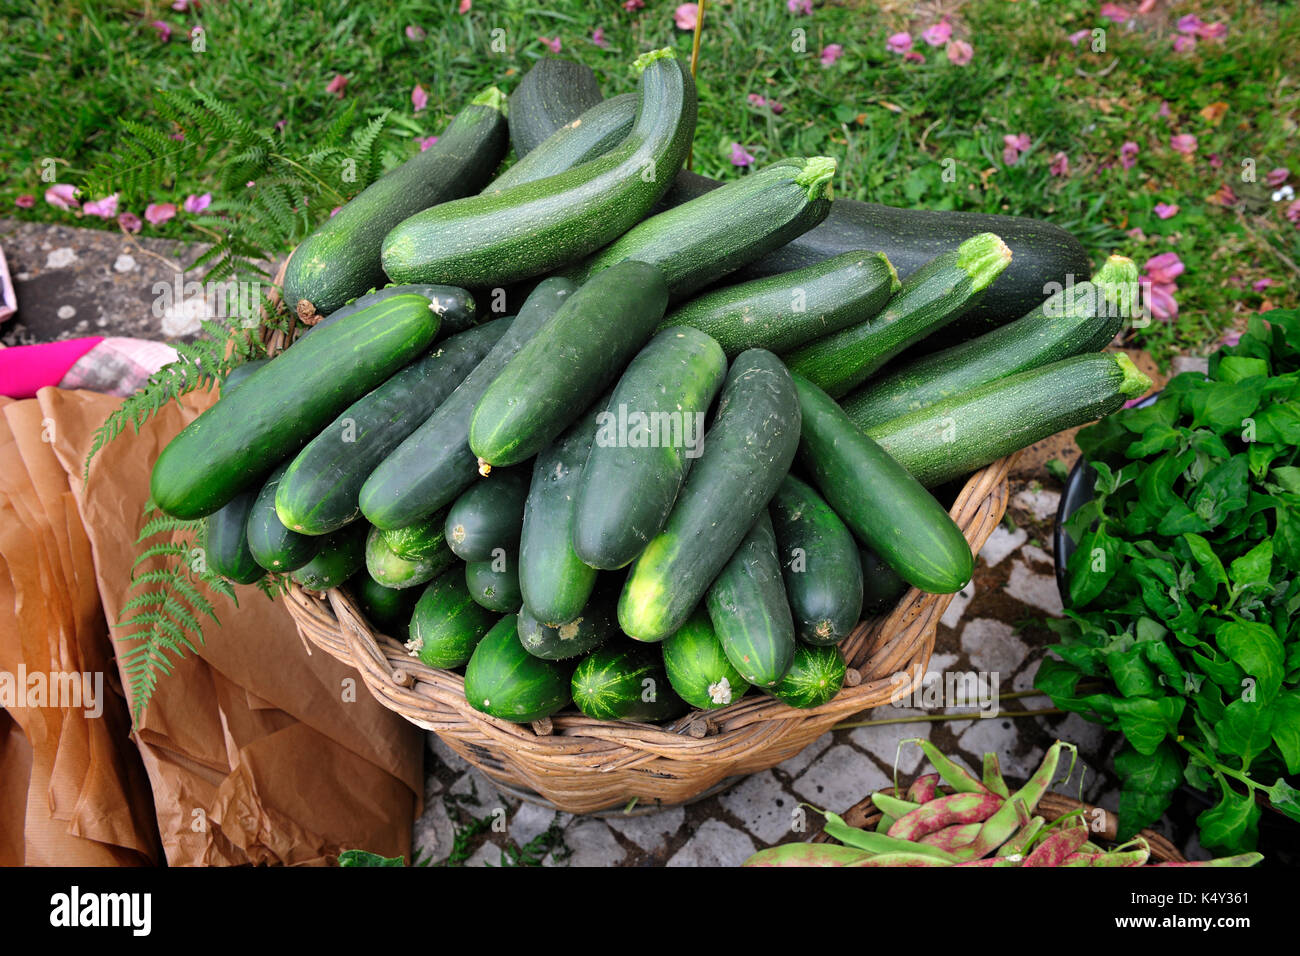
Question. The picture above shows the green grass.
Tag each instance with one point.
(73, 70)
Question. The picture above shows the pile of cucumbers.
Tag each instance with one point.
(674, 472)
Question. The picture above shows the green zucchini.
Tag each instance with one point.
(595, 624)
(565, 366)
(553, 92)
(489, 515)
(497, 238)
(434, 464)
(645, 442)
(387, 608)
(747, 452)
(455, 307)
(495, 583)
(594, 133)
(272, 545)
(342, 554)
(881, 586)
(420, 540)
(881, 503)
(340, 259)
(625, 682)
(1076, 320)
(698, 243)
(319, 492)
(819, 561)
(556, 584)
(697, 666)
(1043, 254)
(503, 680)
(814, 677)
(227, 540)
(781, 313)
(929, 299)
(749, 609)
(285, 404)
(394, 571)
(960, 434)
(447, 622)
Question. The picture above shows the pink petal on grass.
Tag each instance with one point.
(1260, 285)
(1189, 24)
(180, 6)
(1184, 143)
(1216, 161)
(1164, 109)
(105, 208)
(62, 196)
(158, 213)
(1231, 338)
(899, 43)
(959, 52)
(756, 100)
(1166, 210)
(1212, 31)
(419, 98)
(426, 142)
(164, 30)
(1078, 36)
(415, 33)
(740, 156)
(1128, 154)
(1160, 296)
(552, 43)
(1293, 212)
(686, 15)
(1113, 11)
(1182, 44)
(1060, 165)
(465, 6)
(633, 5)
(775, 107)
(598, 38)
(830, 53)
(335, 211)
(1165, 268)
(1276, 177)
(799, 6)
(911, 56)
(937, 35)
(129, 221)
(196, 204)
(337, 85)
(25, 201)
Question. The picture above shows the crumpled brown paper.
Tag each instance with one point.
(255, 750)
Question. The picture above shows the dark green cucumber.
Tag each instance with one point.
(595, 624)
(495, 583)
(1076, 320)
(271, 544)
(1042, 253)
(423, 539)
(698, 668)
(394, 571)
(455, 307)
(881, 503)
(956, 436)
(625, 681)
(447, 622)
(285, 404)
(533, 228)
(747, 452)
(240, 373)
(434, 464)
(645, 442)
(814, 677)
(750, 611)
(227, 541)
(342, 554)
(881, 586)
(340, 260)
(594, 133)
(781, 313)
(387, 608)
(556, 584)
(565, 366)
(489, 515)
(319, 492)
(819, 560)
(698, 243)
(553, 92)
(503, 680)
(929, 299)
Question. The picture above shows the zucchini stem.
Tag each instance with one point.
(816, 176)
(491, 97)
(1134, 383)
(983, 258)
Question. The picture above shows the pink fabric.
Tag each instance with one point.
(26, 368)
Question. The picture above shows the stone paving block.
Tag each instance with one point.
(993, 646)
(800, 761)
(883, 743)
(489, 854)
(531, 820)
(840, 778)
(591, 843)
(1036, 555)
(1189, 363)
(433, 833)
(960, 601)
(1041, 502)
(1024, 679)
(1036, 590)
(1002, 543)
(448, 757)
(486, 797)
(763, 805)
(650, 831)
(1001, 735)
(714, 843)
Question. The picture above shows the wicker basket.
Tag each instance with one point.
(1052, 806)
(581, 765)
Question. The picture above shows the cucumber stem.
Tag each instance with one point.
(1118, 281)
(484, 468)
(491, 97)
(645, 59)
(1134, 382)
(983, 258)
(816, 176)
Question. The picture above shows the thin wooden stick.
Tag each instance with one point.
(695, 57)
(933, 718)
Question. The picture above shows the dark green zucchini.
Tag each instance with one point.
(552, 93)
(489, 515)
(876, 497)
(434, 465)
(387, 608)
(814, 677)
(447, 622)
(698, 243)
(495, 583)
(285, 404)
(341, 555)
(394, 571)
(534, 228)
(595, 624)
(749, 609)
(567, 364)
(819, 561)
(747, 452)
(455, 307)
(594, 133)
(881, 586)
(503, 680)
(697, 666)
(319, 492)
(340, 260)
(645, 442)
(929, 299)
(271, 544)
(965, 432)
(625, 681)
(781, 313)
(227, 540)
(1078, 319)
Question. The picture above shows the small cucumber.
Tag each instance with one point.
(495, 583)
(447, 622)
(815, 676)
(749, 610)
(389, 609)
(503, 680)
(394, 571)
(698, 668)
(227, 540)
(594, 625)
(342, 554)
(272, 545)
(625, 681)
(489, 515)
